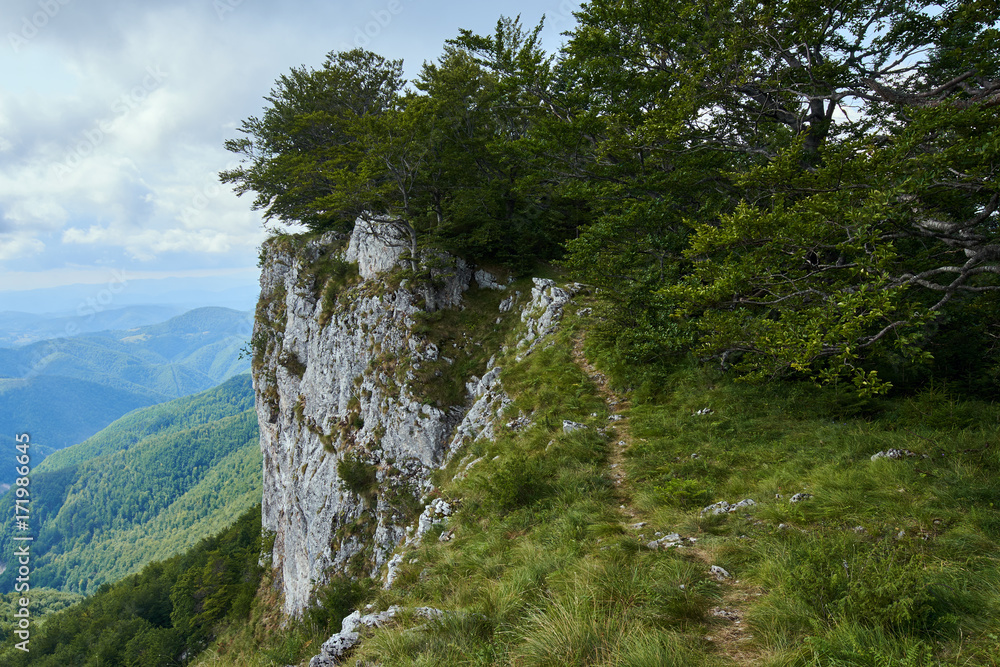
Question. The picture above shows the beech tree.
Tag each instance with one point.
(449, 163)
(852, 197)
(307, 158)
(790, 186)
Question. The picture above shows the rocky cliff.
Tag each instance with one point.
(361, 395)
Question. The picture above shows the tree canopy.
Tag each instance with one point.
(785, 187)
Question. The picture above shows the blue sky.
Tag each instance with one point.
(113, 117)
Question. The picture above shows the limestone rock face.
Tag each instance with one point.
(334, 394)
(349, 438)
(376, 247)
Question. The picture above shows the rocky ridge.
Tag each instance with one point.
(349, 440)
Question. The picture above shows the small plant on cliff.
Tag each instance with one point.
(334, 600)
(358, 475)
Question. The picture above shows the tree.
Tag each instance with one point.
(449, 163)
(854, 148)
(488, 184)
(305, 157)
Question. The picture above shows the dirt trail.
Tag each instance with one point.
(730, 635)
(618, 427)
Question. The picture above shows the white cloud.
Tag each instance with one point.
(14, 247)
(145, 244)
(113, 118)
(36, 213)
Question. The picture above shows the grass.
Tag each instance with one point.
(540, 571)
(465, 339)
(887, 562)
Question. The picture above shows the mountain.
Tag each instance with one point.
(17, 328)
(64, 390)
(237, 291)
(149, 485)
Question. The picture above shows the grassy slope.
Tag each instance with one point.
(887, 563)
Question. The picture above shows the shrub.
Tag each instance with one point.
(358, 475)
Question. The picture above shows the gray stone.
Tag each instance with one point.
(799, 497)
(519, 423)
(507, 304)
(722, 507)
(346, 393)
(541, 316)
(430, 613)
(487, 280)
(376, 246)
(570, 426)
(894, 454)
(334, 649)
(342, 381)
(392, 570)
(670, 541)
(743, 504)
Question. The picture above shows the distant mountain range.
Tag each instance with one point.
(152, 484)
(64, 390)
(238, 291)
(18, 328)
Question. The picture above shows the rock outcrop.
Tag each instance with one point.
(342, 367)
(345, 434)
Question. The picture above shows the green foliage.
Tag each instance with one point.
(884, 585)
(148, 486)
(684, 493)
(292, 364)
(303, 157)
(331, 602)
(358, 475)
(63, 391)
(42, 603)
(161, 616)
(516, 481)
(455, 165)
(787, 188)
(219, 581)
(465, 339)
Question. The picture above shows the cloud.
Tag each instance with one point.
(113, 115)
(38, 214)
(16, 247)
(144, 245)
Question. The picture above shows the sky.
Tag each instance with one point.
(113, 116)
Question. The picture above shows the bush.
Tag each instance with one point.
(514, 482)
(358, 476)
(334, 600)
(885, 586)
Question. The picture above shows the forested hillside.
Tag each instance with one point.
(148, 486)
(63, 391)
(152, 618)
